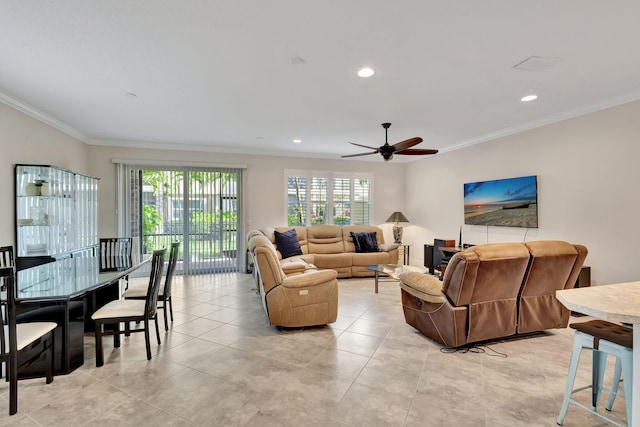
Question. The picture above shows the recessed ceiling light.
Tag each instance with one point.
(366, 72)
(297, 141)
(296, 60)
(529, 97)
(130, 95)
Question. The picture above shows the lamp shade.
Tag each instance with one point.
(397, 217)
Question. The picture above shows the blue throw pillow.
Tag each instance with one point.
(356, 241)
(365, 242)
(288, 243)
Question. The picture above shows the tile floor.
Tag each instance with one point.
(221, 364)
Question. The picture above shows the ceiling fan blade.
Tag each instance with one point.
(360, 154)
(364, 146)
(417, 151)
(403, 145)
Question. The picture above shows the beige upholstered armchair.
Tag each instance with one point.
(306, 297)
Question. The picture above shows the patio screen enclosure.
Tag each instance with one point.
(200, 207)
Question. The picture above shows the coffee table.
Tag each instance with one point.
(391, 270)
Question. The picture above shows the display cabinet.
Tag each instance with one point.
(56, 213)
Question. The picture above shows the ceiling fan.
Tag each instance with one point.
(402, 147)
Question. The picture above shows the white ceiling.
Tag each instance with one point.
(217, 75)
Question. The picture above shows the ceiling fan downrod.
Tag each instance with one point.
(386, 131)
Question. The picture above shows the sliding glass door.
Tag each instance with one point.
(200, 207)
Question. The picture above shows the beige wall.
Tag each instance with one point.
(588, 174)
(264, 184)
(27, 140)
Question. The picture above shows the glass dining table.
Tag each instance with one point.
(67, 292)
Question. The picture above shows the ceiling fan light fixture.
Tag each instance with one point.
(387, 151)
(366, 72)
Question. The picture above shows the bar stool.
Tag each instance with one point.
(603, 338)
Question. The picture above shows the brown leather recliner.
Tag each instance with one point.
(493, 291)
(553, 265)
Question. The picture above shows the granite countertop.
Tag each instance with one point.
(615, 303)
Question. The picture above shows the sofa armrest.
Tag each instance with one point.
(422, 286)
(386, 247)
(309, 278)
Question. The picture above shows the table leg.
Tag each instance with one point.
(635, 421)
(376, 280)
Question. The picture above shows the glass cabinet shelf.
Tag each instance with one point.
(56, 211)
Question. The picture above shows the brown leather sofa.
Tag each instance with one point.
(332, 247)
(493, 291)
(305, 297)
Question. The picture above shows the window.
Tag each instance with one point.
(319, 190)
(177, 208)
(315, 198)
(341, 201)
(297, 200)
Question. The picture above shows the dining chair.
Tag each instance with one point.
(115, 252)
(17, 338)
(164, 295)
(122, 310)
(115, 255)
(6, 257)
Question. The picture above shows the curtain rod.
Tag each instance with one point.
(177, 163)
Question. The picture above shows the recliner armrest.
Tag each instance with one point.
(422, 286)
(309, 278)
(295, 266)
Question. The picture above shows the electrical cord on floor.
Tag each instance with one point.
(473, 348)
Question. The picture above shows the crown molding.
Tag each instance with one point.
(145, 162)
(214, 149)
(550, 119)
(27, 109)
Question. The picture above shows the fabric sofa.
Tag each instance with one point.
(304, 297)
(493, 291)
(332, 247)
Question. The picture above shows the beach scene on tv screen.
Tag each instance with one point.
(511, 202)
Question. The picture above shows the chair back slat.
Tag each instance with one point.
(171, 267)
(115, 253)
(6, 257)
(155, 277)
(7, 314)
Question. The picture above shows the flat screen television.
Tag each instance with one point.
(511, 202)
